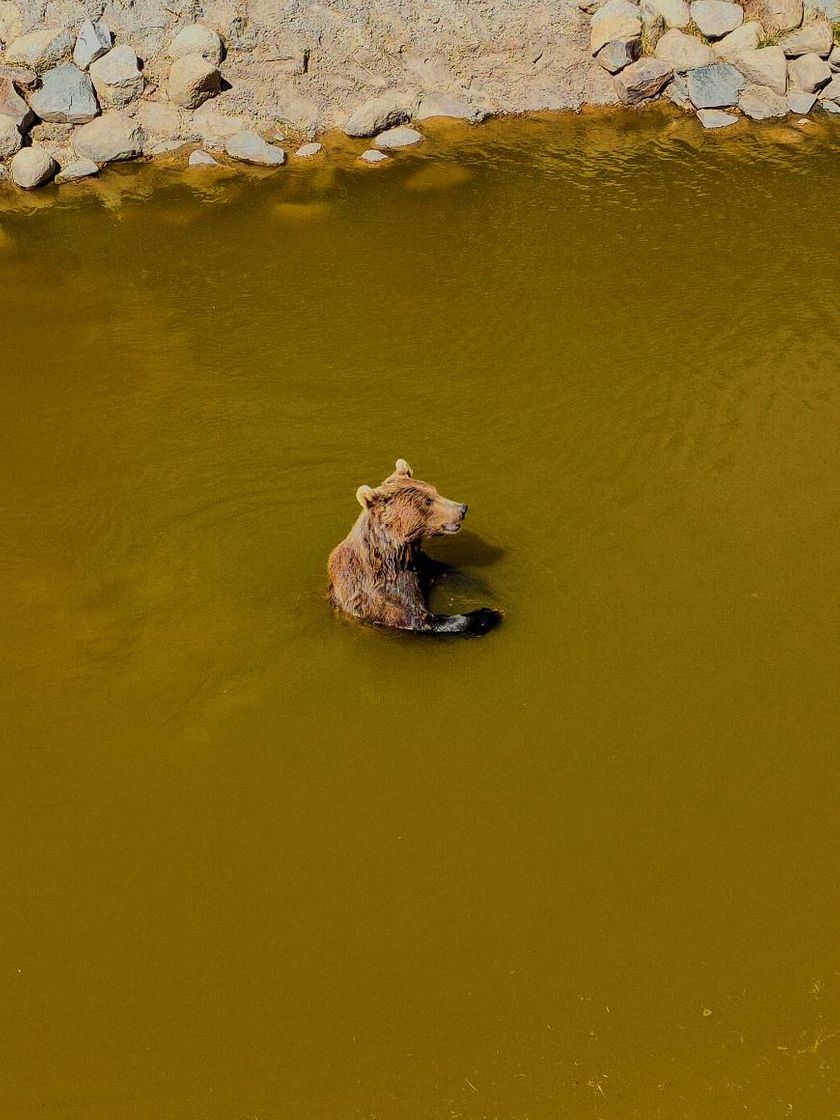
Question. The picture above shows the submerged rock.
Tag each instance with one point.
(193, 80)
(31, 167)
(109, 139)
(642, 80)
(76, 169)
(760, 103)
(94, 40)
(400, 137)
(11, 140)
(307, 151)
(66, 96)
(373, 156)
(716, 118)
(683, 52)
(40, 49)
(814, 38)
(715, 87)
(619, 53)
(614, 20)
(117, 77)
(809, 72)
(766, 66)
(197, 38)
(251, 148)
(13, 106)
(379, 113)
(202, 159)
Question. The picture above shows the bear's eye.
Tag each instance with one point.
(428, 501)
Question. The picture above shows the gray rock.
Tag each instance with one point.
(202, 159)
(40, 49)
(31, 167)
(251, 148)
(117, 77)
(162, 147)
(619, 53)
(831, 92)
(830, 106)
(379, 113)
(673, 13)
(196, 38)
(450, 105)
(716, 18)
(800, 102)
(66, 96)
(813, 38)
(766, 66)
(11, 140)
(14, 107)
(678, 92)
(684, 52)
(76, 169)
(400, 137)
(829, 8)
(307, 151)
(193, 80)
(373, 156)
(716, 118)
(760, 103)
(747, 37)
(616, 19)
(94, 40)
(642, 80)
(715, 87)
(109, 139)
(809, 72)
(834, 58)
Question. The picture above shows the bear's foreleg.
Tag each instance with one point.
(471, 623)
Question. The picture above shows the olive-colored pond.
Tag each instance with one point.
(262, 864)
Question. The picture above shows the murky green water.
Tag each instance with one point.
(260, 864)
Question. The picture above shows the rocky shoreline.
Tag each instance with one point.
(84, 84)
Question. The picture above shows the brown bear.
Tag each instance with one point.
(380, 574)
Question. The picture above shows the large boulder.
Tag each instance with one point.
(94, 40)
(619, 53)
(766, 66)
(777, 15)
(716, 18)
(673, 13)
(196, 38)
(11, 140)
(109, 138)
(683, 52)
(66, 96)
(31, 167)
(616, 19)
(379, 113)
(747, 37)
(40, 49)
(251, 148)
(193, 80)
(809, 72)
(12, 105)
(760, 103)
(117, 77)
(813, 38)
(715, 87)
(642, 80)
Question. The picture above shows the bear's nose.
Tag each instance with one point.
(464, 511)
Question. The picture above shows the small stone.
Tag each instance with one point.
(373, 156)
(400, 137)
(11, 140)
(678, 92)
(716, 18)
(14, 107)
(674, 13)
(830, 106)
(306, 151)
(619, 53)
(193, 80)
(747, 37)
(715, 87)
(616, 19)
(251, 148)
(31, 167)
(379, 113)
(40, 49)
(117, 78)
(450, 105)
(109, 139)
(66, 96)
(94, 40)
(760, 103)
(813, 38)
(800, 102)
(20, 75)
(766, 66)
(76, 169)
(196, 38)
(809, 72)
(642, 80)
(683, 52)
(715, 118)
(202, 159)
(162, 147)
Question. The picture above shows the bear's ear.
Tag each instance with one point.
(402, 468)
(365, 496)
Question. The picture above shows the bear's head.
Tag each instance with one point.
(409, 509)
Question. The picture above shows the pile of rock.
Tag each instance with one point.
(718, 59)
